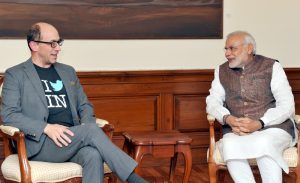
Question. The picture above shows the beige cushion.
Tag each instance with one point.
(43, 171)
(297, 119)
(9, 130)
(289, 155)
(101, 122)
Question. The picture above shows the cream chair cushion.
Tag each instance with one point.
(101, 122)
(42, 171)
(289, 155)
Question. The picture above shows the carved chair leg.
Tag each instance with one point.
(212, 171)
(297, 172)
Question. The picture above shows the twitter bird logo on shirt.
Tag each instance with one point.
(57, 86)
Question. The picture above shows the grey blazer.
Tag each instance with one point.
(24, 103)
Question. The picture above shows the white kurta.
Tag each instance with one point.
(257, 144)
(270, 142)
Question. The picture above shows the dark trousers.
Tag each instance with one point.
(90, 147)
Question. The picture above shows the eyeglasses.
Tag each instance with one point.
(53, 44)
(233, 48)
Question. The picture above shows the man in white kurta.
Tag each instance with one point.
(252, 99)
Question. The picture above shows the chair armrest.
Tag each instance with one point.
(1, 81)
(101, 122)
(211, 119)
(9, 130)
(212, 141)
(9, 134)
(297, 119)
(106, 127)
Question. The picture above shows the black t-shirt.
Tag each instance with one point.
(56, 96)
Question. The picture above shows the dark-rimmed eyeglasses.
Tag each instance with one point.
(53, 44)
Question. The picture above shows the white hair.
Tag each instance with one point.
(248, 38)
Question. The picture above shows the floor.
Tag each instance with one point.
(199, 175)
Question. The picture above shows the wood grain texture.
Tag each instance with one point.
(158, 100)
(199, 175)
(115, 19)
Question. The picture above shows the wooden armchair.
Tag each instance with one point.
(17, 168)
(216, 163)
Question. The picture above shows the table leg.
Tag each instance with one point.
(125, 147)
(139, 152)
(186, 151)
(172, 167)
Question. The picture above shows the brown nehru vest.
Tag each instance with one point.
(248, 91)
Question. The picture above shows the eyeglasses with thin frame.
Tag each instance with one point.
(53, 44)
(232, 48)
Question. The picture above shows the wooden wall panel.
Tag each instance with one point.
(159, 100)
(293, 75)
(128, 113)
(189, 114)
(199, 146)
(297, 102)
(152, 100)
(178, 98)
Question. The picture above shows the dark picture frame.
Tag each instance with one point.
(116, 19)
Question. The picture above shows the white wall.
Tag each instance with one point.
(275, 25)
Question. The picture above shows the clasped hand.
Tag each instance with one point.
(243, 126)
(59, 134)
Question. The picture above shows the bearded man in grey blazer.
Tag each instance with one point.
(45, 100)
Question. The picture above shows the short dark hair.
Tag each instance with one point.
(34, 34)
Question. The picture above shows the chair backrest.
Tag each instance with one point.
(1, 79)
(1, 82)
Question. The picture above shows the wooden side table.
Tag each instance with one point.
(160, 144)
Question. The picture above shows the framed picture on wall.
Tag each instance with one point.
(116, 19)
